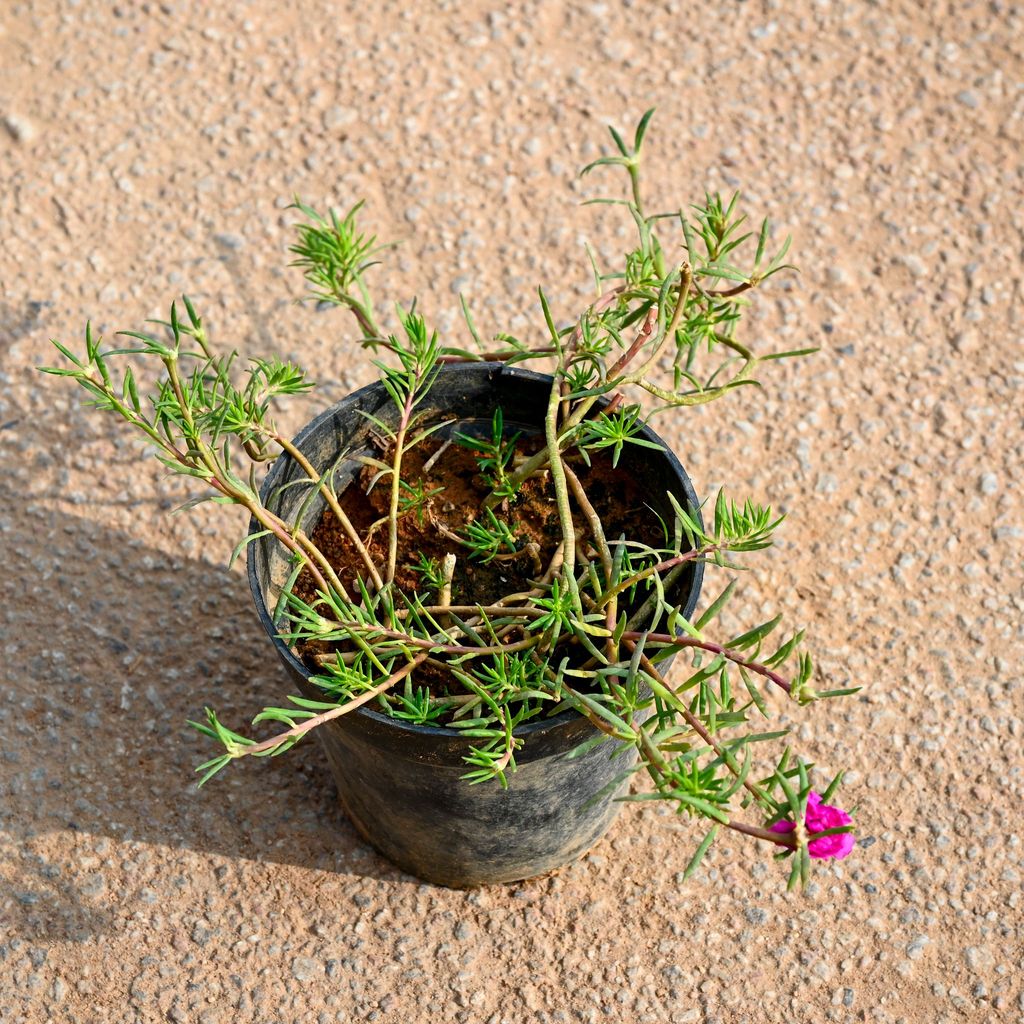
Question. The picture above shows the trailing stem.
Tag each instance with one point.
(396, 486)
(558, 478)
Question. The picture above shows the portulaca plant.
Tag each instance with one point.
(591, 615)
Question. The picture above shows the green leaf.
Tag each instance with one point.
(313, 705)
(754, 636)
(190, 309)
(776, 263)
(605, 161)
(762, 241)
(701, 806)
(468, 317)
(211, 768)
(785, 651)
(791, 796)
(791, 354)
(641, 130)
(153, 346)
(717, 605)
(245, 542)
(587, 746)
(845, 692)
(699, 855)
(728, 273)
(832, 787)
(67, 354)
(193, 503)
(549, 320)
(755, 693)
(620, 145)
(623, 730)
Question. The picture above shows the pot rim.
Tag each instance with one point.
(535, 725)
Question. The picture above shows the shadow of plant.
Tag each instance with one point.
(109, 647)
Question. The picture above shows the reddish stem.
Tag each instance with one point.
(706, 645)
(343, 709)
(638, 343)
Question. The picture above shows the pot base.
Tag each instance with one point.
(546, 819)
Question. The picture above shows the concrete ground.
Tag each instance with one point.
(150, 148)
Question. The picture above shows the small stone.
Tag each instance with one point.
(463, 931)
(968, 99)
(977, 958)
(19, 128)
(823, 969)
(965, 342)
(94, 885)
(339, 117)
(755, 915)
(989, 483)
(916, 265)
(827, 483)
(305, 968)
(687, 1017)
(915, 949)
(229, 241)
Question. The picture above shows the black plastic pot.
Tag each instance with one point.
(400, 783)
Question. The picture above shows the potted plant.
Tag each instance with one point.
(478, 575)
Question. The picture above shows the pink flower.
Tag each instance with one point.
(818, 818)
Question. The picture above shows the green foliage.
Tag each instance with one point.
(429, 572)
(557, 610)
(614, 431)
(196, 414)
(415, 498)
(489, 537)
(735, 528)
(416, 705)
(600, 624)
(510, 689)
(494, 455)
(333, 255)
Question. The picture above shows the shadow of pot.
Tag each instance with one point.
(400, 783)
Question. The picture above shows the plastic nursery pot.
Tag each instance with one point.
(400, 783)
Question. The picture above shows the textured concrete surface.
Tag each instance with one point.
(147, 148)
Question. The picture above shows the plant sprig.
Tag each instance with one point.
(494, 455)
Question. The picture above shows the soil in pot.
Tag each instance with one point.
(449, 473)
